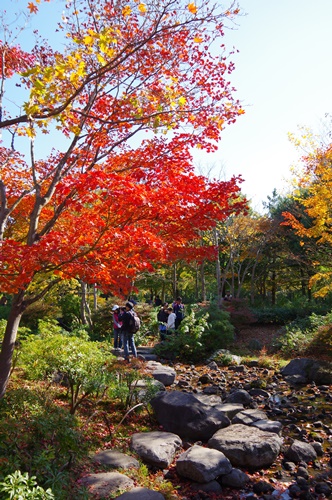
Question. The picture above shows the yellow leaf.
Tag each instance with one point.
(182, 101)
(142, 8)
(88, 40)
(198, 39)
(126, 11)
(192, 8)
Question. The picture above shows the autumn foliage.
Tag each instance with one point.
(315, 195)
(135, 88)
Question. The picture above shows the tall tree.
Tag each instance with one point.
(105, 207)
(315, 195)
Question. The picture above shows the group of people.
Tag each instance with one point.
(170, 317)
(122, 329)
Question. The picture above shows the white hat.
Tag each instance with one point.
(115, 307)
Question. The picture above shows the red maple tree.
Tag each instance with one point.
(105, 206)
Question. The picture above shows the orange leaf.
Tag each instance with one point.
(192, 8)
(32, 8)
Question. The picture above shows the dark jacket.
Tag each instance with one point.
(126, 319)
(162, 316)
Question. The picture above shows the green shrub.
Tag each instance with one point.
(39, 311)
(40, 437)
(321, 342)
(70, 304)
(79, 363)
(220, 334)
(21, 486)
(125, 388)
(202, 331)
(300, 334)
(102, 323)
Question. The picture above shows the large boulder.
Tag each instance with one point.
(246, 446)
(202, 465)
(115, 459)
(162, 373)
(300, 452)
(141, 494)
(156, 448)
(308, 370)
(102, 484)
(257, 418)
(186, 416)
(239, 396)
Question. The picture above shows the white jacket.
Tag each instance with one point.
(171, 321)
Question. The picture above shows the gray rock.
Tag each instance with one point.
(156, 448)
(323, 489)
(141, 494)
(210, 487)
(299, 451)
(104, 483)
(144, 383)
(187, 417)
(311, 370)
(296, 379)
(259, 392)
(235, 479)
(239, 396)
(248, 417)
(163, 373)
(269, 426)
(230, 409)
(202, 465)
(318, 447)
(209, 399)
(115, 459)
(247, 446)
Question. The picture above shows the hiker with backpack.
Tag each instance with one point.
(178, 309)
(130, 325)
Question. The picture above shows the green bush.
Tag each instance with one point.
(21, 486)
(125, 388)
(78, 363)
(39, 311)
(300, 334)
(40, 437)
(202, 331)
(220, 334)
(70, 304)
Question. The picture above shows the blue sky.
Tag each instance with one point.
(283, 77)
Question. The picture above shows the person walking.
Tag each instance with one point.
(178, 309)
(117, 324)
(170, 321)
(127, 331)
(162, 317)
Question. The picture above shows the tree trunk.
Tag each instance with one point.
(85, 308)
(218, 268)
(203, 282)
(8, 343)
(95, 297)
(174, 282)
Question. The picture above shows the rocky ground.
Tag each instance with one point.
(305, 411)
